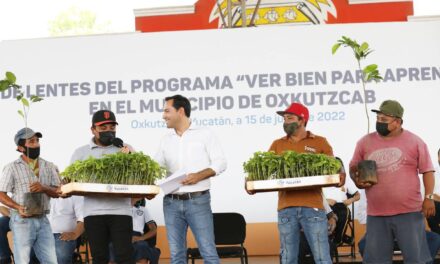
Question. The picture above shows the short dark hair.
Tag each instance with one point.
(438, 152)
(180, 101)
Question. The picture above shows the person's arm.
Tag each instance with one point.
(4, 211)
(79, 229)
(218, 162)
(49, 190)
(353, 170)
(428, 206)
(151, 233)
(193, 178)
(356, 197)
(6, 200)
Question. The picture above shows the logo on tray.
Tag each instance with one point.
(109, 188)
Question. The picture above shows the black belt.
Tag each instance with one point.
(186, 196)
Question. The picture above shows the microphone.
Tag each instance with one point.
(117, 142)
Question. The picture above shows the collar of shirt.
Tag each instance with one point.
(93, 145)
(192, 126)
(309, 135)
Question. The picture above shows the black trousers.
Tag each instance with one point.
(103, 229)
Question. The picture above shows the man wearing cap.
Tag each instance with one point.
(302, 208)
(395, 207)
(30, 176)
(106, 219)
(197, 153)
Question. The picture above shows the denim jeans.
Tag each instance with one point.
(64, 249)
(5, 251)
(32, 232)
(314, 224)
(195, 213)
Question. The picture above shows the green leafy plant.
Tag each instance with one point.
(290, 164)
(9, 82)
(119, 168)
(369, 72)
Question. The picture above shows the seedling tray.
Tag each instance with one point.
(293, 183)
(117, 190)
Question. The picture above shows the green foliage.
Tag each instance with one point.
(369, 73)
(74, 21)
(119, 168)
(10, 82)
(268, 165)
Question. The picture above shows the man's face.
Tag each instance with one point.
(33, 142)
(291, 118)
(103, 128)
(390, 120)
(170, 115)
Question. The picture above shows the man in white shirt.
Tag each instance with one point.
(67, 222)
(197, 152)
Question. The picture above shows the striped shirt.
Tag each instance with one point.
(17, 177)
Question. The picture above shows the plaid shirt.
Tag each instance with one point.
(17, 177)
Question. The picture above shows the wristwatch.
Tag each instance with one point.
(429, 196)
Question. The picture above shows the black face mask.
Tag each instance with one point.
(106, 137)
(382, 129)
(290, 128)
(32, 153)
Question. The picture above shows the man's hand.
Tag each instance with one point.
(136, 239)
(125, 150)
(331, 202)
(428, 208)
(331, 225)
(22, 211)
(354, 174)
(192, 178)
(149, 196)
(342, 177)
(37, 187)
(67, 236)
(348, 201)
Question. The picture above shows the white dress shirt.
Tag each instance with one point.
(65, 213)
(197, 149)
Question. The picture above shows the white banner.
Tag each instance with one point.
(236, 79)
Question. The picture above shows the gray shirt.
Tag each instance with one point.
(94, 205)
(17, 177)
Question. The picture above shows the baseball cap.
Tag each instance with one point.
(390, 108)
(103, 117)
(25, 133)
(296, 109)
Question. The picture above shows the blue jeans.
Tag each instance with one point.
(32, 233)
(314, 224)
(64, 249)
(195, 213)
(5, 251)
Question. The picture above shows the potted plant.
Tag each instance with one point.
(366, 168)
